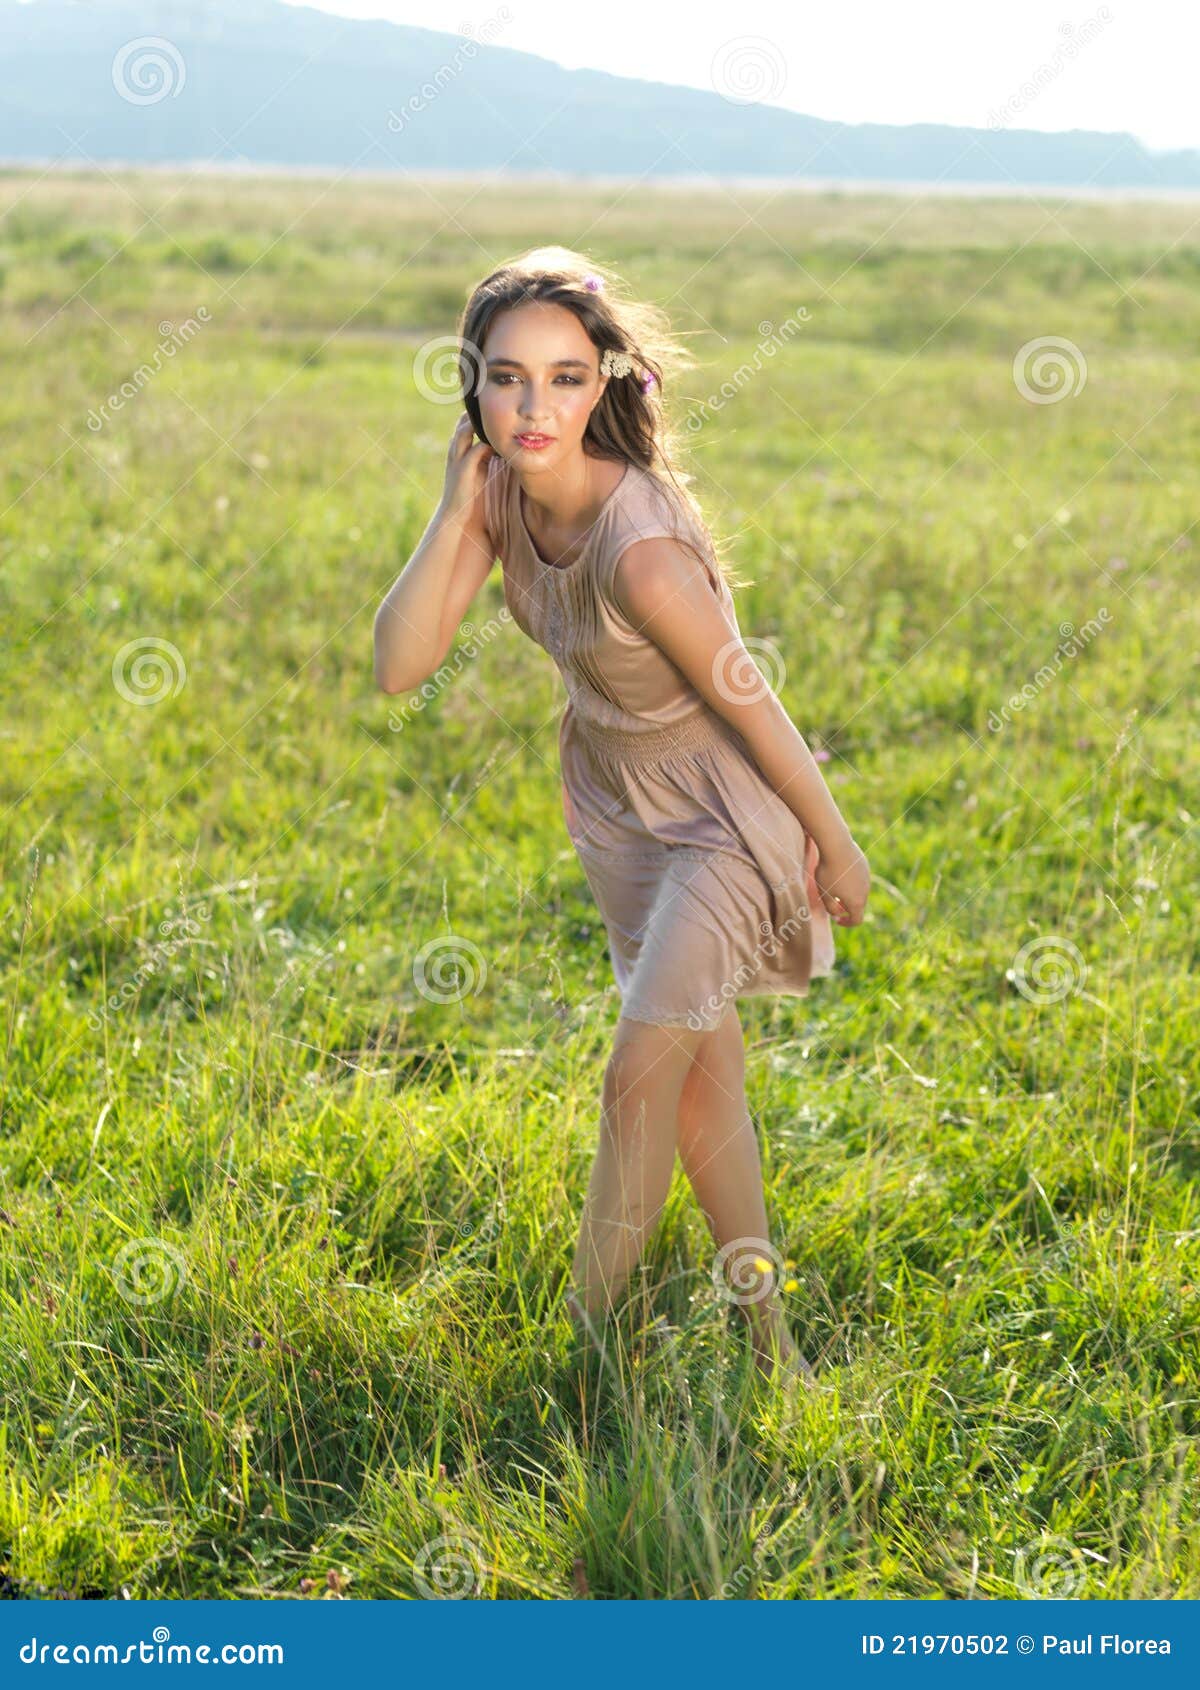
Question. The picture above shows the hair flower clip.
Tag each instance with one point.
(594, 284)
(615, 363)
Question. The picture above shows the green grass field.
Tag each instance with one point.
(284, 1234)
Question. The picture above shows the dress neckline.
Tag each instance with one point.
(565, 568)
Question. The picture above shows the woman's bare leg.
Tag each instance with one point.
(719, 1150)
(631, 1174)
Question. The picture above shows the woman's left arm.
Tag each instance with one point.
(663, 592)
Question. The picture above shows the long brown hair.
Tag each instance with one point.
(630, 423)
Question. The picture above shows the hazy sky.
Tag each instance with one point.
(1132, 66)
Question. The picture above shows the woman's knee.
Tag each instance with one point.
(715, 1081)
(647, 1067)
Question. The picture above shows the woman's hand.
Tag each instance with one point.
(466, 468)
(843, 880)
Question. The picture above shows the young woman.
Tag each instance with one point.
(710, 841)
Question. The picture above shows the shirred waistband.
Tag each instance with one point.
(703, 727)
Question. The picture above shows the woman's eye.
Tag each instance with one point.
(503, 377)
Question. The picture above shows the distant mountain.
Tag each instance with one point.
(255, 82)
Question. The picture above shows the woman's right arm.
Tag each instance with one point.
(417, 619)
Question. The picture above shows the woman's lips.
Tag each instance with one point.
(535, 442)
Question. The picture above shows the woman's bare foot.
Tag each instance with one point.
(776, 1356)
(586, 1326)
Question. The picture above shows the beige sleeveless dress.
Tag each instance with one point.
(701, 872)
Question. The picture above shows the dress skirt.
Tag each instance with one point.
(702, 873)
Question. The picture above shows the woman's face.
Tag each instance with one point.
(542, 378)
